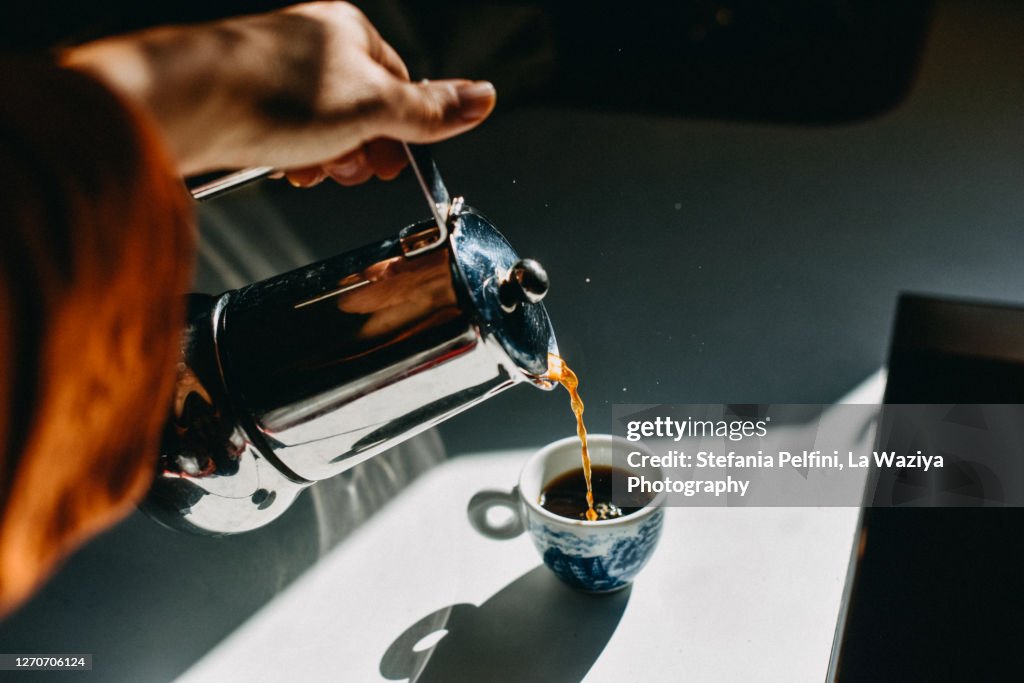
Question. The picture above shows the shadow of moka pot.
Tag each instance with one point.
(300, 377)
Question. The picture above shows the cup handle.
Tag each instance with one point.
(482, 502)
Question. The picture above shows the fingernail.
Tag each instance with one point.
(346, 169)
(475, 99)
(306, 178)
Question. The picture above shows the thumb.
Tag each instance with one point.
(429, 111)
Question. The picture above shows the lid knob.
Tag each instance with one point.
(526, 282)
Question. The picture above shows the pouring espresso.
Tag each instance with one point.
(302, 376)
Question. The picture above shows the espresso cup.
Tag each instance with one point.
(597, 557)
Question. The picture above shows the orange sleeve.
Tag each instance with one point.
(96, 248)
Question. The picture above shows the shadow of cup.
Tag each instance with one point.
(534, 629)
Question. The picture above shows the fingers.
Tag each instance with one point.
(350, 169)
(382, 158)
(390, 108)
(305, 177)
(386, 157)
(429, 111)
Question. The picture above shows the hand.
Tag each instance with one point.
(313, 90)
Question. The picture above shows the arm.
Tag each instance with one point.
(312, 89)
(97, 241)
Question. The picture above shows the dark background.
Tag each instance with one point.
(784, 60)
(727, 204)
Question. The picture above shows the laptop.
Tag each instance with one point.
(937, 594)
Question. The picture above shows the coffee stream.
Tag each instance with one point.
(563, 374)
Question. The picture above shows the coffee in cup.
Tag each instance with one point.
(566, 495)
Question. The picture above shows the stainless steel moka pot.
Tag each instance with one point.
(300, 377)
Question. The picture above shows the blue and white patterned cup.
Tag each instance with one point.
(597, 557)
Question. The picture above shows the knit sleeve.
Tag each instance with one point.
(96, 248)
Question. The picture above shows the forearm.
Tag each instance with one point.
(214, 89)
